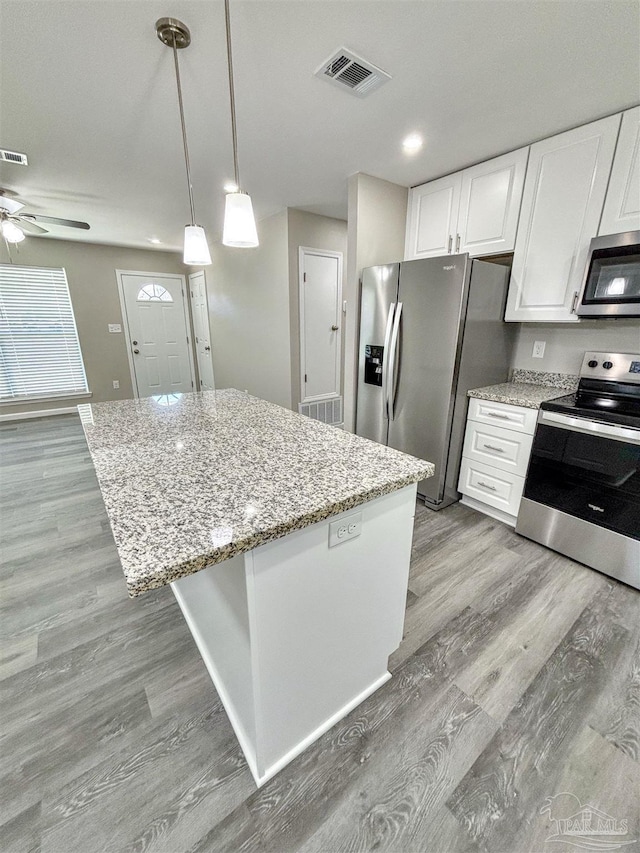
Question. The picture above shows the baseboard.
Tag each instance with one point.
(41, 413)
(498, 514)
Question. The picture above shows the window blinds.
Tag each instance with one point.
(39, 348)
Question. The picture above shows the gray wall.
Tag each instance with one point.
(313, 232)
(566, 344)
(248, 293)
(94, 293)
(377, 213)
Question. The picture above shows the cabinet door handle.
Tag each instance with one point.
(487, 486)
(496, 449)
(457, 244)
(573, 304)
(498, 415)
(450, 244)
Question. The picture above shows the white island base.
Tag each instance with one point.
(295, 634)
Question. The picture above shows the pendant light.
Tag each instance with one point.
(176, 35)
(239, 222)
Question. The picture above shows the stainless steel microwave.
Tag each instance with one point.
(611, 285)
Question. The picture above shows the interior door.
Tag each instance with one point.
(201, 328)
(155, 314)
(320, 322)
(432, 298)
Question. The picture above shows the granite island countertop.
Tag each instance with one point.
(191, 480)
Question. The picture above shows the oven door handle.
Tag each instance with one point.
(618, 433)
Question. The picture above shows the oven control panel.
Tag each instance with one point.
(615, 366)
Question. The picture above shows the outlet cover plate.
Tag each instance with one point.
(347, 528)
(115, 328)
(538, 349)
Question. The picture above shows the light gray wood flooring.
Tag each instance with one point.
(516, 690)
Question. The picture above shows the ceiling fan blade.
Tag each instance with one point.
(54, 220)
(28, 225)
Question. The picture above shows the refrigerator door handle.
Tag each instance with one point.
(393, 378)
(385, 361)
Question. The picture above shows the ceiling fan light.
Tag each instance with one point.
(239, 222)
(196, 250)
(11, 232)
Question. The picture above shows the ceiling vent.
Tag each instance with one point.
(13, 157)
(350, 71)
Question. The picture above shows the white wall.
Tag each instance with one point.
(566, 344)
(313, 232)
(248, 293)
(377, 213)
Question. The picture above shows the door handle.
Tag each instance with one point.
(335, 328)
(386, 355)
(137, 351)
(392, 361)
(135, 343)
(207, 349)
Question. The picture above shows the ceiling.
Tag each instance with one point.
(88, 93)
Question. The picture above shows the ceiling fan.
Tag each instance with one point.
(13, 224)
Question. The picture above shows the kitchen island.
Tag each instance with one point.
(286, 543)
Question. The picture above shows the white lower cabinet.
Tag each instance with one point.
(495, 458)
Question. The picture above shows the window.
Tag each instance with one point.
(39, 349)
(154, 293)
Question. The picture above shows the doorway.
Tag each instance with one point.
(156, 331)
(320, 273)
(201, 329)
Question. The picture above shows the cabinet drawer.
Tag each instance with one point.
(506, 449)
(490, 485)
(504, 415)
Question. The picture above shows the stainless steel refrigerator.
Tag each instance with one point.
(430, 330)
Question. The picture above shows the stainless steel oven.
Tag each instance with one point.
(611, 285)
(582, 489)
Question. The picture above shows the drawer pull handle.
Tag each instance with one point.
(498, 415)
(495, 449)
(487, 486)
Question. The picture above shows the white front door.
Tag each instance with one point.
(200, 314)
(157, 332)
(320, 323)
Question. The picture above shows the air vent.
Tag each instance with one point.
(350, 71)
(13, 157)
(327, 411)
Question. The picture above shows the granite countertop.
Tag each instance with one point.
(528, 388)
(190, 480)
(525, 394)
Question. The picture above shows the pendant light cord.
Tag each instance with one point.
(184, 132)
(232, 97)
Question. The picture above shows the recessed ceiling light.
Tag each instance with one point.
(230, 187)
(412, 143)
(154, 240)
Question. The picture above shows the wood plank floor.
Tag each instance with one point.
(518, 681)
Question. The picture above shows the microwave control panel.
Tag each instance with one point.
(615, 366)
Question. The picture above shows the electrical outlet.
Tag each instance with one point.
(345, 529)
(116, 383)
(115, 328)
(538, 349)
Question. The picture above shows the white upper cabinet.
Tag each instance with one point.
(490, 204)
(432, 219)
(473, 211)
(564, 193)
(622, 204)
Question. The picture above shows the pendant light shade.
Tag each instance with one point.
(174, 34)
(239, 222)
(196, 251)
